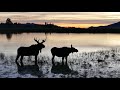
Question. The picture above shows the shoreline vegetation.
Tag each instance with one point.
(10, 27)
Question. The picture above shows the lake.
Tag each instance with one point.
(80, 65)
(83, 42)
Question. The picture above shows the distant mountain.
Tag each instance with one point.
(111, 26)
(114, 25)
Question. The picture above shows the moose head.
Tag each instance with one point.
(40, 44)
(73, 49)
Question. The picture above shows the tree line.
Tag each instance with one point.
(10, 27)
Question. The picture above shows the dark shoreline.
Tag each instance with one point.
(79, 31)
(51, 28)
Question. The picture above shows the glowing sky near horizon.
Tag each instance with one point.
(68, 19)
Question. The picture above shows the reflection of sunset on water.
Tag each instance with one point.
(84, 42)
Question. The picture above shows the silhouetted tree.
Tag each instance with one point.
(46, 23)
(16, 23)
(8, 21)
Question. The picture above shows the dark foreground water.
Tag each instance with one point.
(100, 64)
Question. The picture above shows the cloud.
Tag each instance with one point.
(74, 21)
(62, 17)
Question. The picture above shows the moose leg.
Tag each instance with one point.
(21, 60)
(53, 59)
(53, 62)
(62, 60)
(17, 59)
(35, 59)
(66, 59)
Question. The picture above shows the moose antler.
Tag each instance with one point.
(43, 41)
(36, 40)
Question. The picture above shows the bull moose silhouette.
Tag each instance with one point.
(62, 52)
(31, 50)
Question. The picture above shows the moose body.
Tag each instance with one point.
(27, 51)
(62, 52)
(32, 50)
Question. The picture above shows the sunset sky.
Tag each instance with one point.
(67, 19)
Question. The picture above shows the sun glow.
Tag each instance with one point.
(80, 25)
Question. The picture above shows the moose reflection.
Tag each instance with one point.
(60, 68)
(31, 50)
(62, 52)
(29, 69)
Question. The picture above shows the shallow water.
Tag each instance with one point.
(83, 42)
(78, 66)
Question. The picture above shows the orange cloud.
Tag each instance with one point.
(80, 25)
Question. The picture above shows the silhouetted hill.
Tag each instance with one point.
(112, 28)
(114, 25)
(10, 27)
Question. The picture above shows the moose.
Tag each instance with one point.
(62, 52)
(31, 50)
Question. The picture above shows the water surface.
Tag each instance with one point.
(83, 42)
